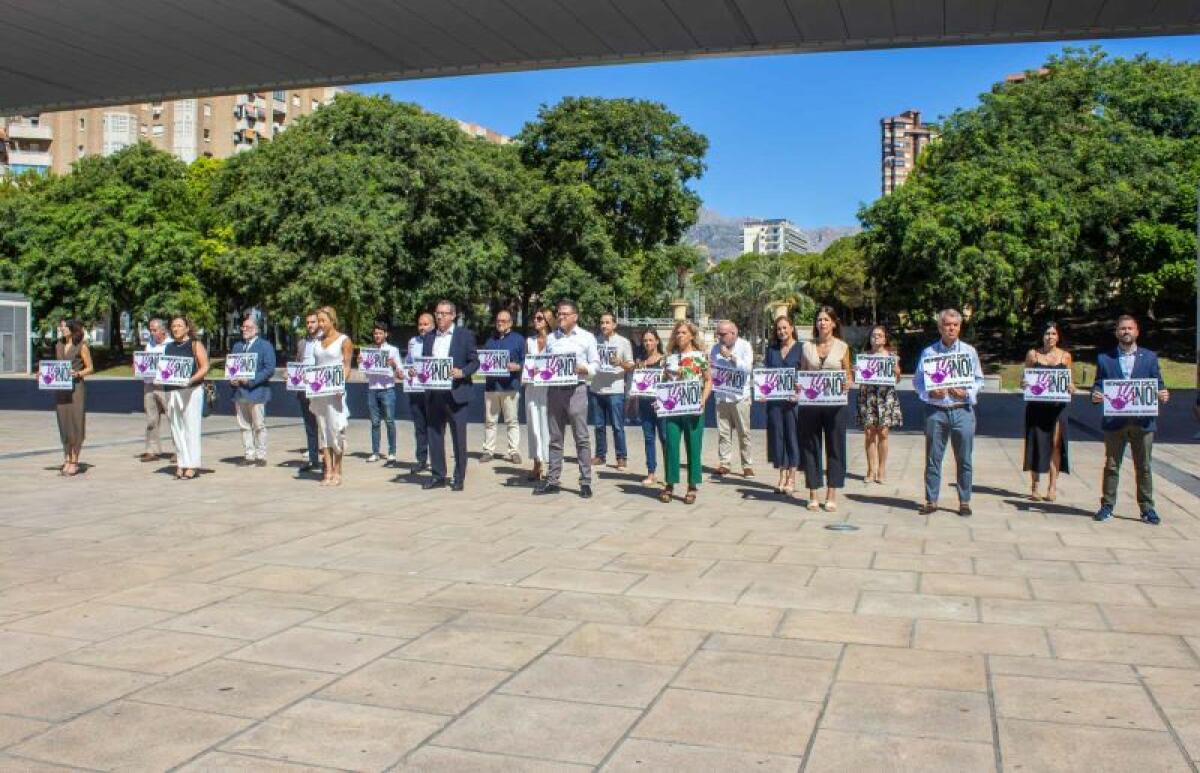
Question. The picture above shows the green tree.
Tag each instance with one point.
(1069, 190)
(374, 207)
(746, 288)
(119, 233)
(614, 195)
(838, 276)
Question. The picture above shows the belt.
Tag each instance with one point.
(956, 407)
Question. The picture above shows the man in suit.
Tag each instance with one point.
(449, 406)
(251, 394)
(1128, 360)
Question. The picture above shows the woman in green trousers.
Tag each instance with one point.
(686, 362)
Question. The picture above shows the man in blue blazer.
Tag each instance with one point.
(251, 394)
(449, 406)
(1126, 361)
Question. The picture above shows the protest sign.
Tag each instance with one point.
(493, 363)
(774, 384)
(678, 398)
(295, 376)
(174, 371)
(875, 370)
(55, 375)
(1047, 385)
(374, 362)
(433, 373)
(949, 371)
(1131, 397)
(644, 381)
(550, 370)
(730, 382)
(145, 364)
(821, 387)
(321, 380)
(240, 366)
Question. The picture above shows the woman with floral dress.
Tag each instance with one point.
(878, 410)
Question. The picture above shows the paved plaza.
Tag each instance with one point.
(251, 621)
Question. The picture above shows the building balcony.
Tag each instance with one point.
(28, 158)
(25, 131)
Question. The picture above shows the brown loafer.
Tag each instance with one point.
(928, 508)
(149, 458)
(748, 472)
(722, 470)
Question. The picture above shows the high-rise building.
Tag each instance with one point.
(772, 237)
(484, 133)
(217, 127)
(903, 138)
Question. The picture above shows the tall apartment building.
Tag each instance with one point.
(772, 237)
(903, 138)
(217, 127)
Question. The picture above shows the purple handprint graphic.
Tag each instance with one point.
(810, 391)
(941, 372)
(769, 385)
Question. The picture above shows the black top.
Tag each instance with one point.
(185, 349)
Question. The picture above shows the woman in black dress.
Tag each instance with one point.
(1046, 423)
(783, 441)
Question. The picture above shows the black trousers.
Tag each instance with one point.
(443, 411)
(823, 428)
(416, 406)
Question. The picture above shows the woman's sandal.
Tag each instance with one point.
(690, 499)
(664, 496)
(814, 505)
(189, 474)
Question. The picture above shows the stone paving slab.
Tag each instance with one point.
(250, 620)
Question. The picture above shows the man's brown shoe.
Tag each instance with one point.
(149, 458)
(928, 508)
(748, 472)
(722, 470)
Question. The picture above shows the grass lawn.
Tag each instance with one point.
(1178, 374)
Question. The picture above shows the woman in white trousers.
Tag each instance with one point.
(536, 420)
(185, 404)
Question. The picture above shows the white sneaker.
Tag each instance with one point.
(391, 458)
(373, 458)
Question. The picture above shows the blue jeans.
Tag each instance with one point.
(958, 426)
(381, 404)
(652, 427)
(610, 412)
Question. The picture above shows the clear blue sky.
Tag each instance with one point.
(789, 136)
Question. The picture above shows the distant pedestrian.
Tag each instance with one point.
(949, 414)
(879, 409)
(823, 427)
(154, 399)
(502, 394)
(1127, 361)
(70, 405)
(733, 352)
(251, 394)
(1046, 437)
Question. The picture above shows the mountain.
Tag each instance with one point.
(721, 235)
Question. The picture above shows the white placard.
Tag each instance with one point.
(875, 370)
(730, 382)
(295, 376)
(1131, 397)
(821, 387)
(550, 370)
(145, 364)
(433, 373)
(174, 371)
(493, 363)
(644, 381)
(321, 380)
(55, 375)
(948, 371)
(1047, 385)
(374, 362)
(241, 366)
(772, 384)
(679, 398)
(608, 353)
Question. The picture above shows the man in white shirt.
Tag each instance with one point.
(569, 404)
(735, 358)
(608, 389)
(949, 415)
(154, 399)
(306, 354)
(381, 394)
(416, 401)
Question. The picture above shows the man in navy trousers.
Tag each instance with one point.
(1128, 360)
(449, 407)
(251, 394)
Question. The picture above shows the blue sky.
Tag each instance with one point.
(789, 136)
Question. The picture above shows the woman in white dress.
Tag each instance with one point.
(333, 348)
(536, 420)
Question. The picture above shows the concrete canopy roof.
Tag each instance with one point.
(60, 54)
